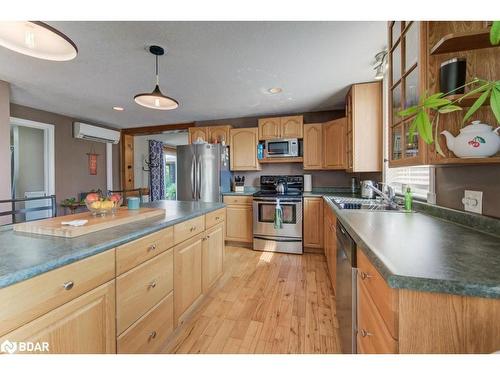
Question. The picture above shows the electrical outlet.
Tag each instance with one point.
(473, 201)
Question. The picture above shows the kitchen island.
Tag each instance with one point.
(118, 290)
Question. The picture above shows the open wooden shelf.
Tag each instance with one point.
(282, 160)
(468, 101)
(460, 161)
(462, 41)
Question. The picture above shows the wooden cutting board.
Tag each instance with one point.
(53, 226)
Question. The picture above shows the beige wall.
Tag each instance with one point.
(71, 167)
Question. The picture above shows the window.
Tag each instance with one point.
(419, 178)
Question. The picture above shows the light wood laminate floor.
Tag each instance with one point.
(264, 303)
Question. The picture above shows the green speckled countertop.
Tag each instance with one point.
(24, 255)
(249, 190)
(424, 253)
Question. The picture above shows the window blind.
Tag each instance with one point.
(418, 178)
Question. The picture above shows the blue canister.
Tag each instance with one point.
(133, 203)
(260, 151)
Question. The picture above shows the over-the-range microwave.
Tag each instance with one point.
(280, 148)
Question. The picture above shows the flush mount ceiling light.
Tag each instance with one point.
(379, 65)
(155, 99)
(274, 90)
(116, 108)
(37, 39)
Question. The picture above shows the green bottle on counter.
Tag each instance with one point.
(408, 200)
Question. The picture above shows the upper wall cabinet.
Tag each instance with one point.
(334, 142)
(407, 81)
(364, 127)
(210, 134)
(198, 134)
(243, 150)
(281, 127)
(313, 146)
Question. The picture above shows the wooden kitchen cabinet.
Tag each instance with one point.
(281, 127)
(198, 133)
(85, 325)
(219, 134)
(330, 242)
(212, 256)
(239, 218)
(269, 128)
(292, 127)
(187, 275)
(243, 150)
(313, 146)
(334, 144)
(313, 222)
(364, 127)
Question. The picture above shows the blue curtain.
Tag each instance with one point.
(156, 171)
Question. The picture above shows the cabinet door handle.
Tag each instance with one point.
(365, 333)
(153, 284)
(68, 285)
(217, 218)
(152, 247)
(152, 335)
(364, 275)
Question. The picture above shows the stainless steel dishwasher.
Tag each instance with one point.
(346, 291)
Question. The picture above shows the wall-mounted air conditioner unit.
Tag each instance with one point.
(95, 133)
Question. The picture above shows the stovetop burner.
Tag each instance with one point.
(295, 186)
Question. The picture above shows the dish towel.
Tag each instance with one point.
(278, 216)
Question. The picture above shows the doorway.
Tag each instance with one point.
(32, 164)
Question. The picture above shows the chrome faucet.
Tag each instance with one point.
(389, 197)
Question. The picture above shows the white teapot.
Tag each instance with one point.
(474, 141)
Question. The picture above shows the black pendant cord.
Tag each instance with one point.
(157, 76)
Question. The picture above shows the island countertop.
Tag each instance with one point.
(424, 253)
(23, 256)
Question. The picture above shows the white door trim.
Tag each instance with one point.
(49, 150)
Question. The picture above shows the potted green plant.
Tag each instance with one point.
(432, 106)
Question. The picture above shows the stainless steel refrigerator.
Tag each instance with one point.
(202, 172)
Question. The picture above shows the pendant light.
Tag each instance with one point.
(155, 99)
(37, 39)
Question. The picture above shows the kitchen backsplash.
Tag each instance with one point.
(319, 178)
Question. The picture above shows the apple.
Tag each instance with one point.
(92, 197)
(115, 198)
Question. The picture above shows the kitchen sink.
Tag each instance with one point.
(347, 203)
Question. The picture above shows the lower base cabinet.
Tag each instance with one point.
(85, 325)
(149, 334)
(330, 242)
(239, 218)
(212, 256)
(187, 274)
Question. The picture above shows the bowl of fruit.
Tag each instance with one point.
(100, 205)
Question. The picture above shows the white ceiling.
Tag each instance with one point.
(214, 69)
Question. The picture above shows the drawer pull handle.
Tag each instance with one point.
(217, 218)
(68, 285)
(192, 229)
(152, 247)
(365, 333)
(152, 335)
(153, 284)
(364, 275)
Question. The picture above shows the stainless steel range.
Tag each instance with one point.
(288, 239)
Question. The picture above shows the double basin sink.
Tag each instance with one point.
(348, 203)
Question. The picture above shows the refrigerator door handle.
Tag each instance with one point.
(198, 177)
(193, 172)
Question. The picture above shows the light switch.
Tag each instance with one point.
(473, 201)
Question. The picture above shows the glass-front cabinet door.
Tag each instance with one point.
(407, 56)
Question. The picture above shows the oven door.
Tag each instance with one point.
(263, 217)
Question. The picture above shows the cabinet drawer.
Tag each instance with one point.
(139, 289)
(188, 229)
(384, 297)
(238, 199)
(149, 333)
(27, 300)
(373, 335)
(136, 252)
(215, 217)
